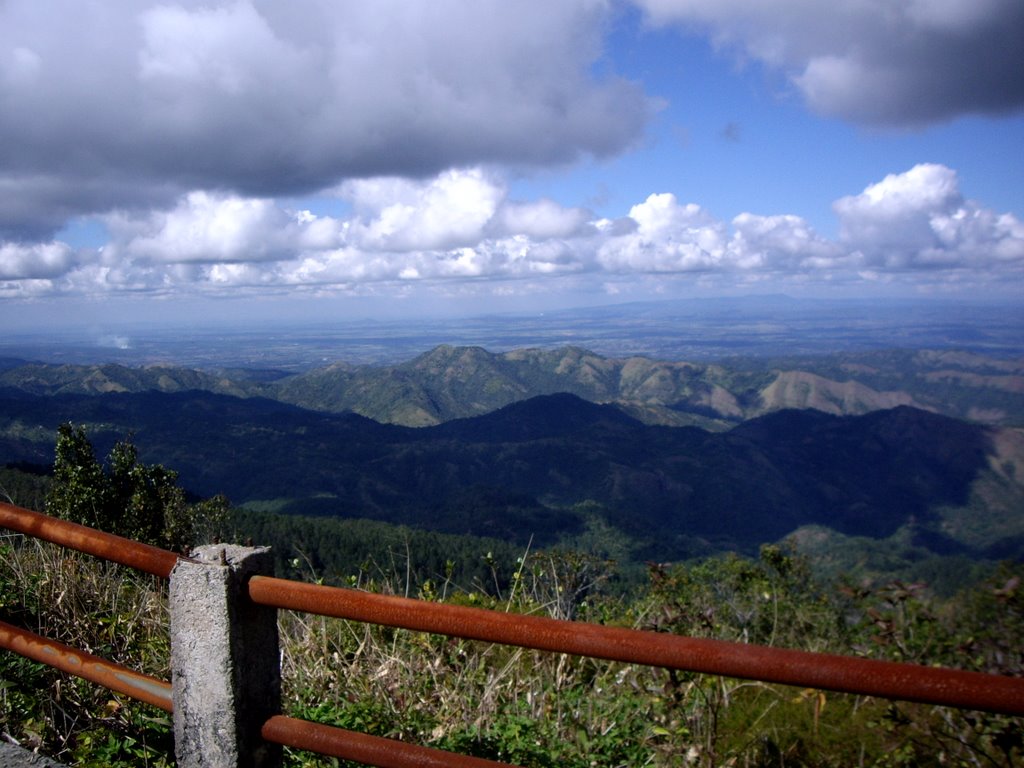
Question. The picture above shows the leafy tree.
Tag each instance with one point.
(147, 499)
(78, 482)
(126, 497)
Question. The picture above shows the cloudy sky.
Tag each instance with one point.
(183, 161)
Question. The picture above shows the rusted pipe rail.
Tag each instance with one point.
(846, 674)
(92, 668)
(81, 538)
(363, 748)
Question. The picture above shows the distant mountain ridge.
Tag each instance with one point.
(458, 382)
(521, 471)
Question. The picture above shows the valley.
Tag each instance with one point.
(659, 431)
(543, 471)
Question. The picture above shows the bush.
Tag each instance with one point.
(128, 498)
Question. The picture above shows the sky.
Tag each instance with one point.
(199, 162)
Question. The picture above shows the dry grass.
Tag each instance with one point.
(96, 607)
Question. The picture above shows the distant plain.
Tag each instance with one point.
(695, 329)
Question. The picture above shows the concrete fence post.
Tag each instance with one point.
(225, 667)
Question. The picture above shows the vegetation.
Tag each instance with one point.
(523, 707)
(364, 552)
(517, 474)
(126, 497)
(25, 484)
(537, 709)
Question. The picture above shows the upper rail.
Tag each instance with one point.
(116, 549)
(845, 674)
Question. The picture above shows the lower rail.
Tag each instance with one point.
(287, 731)
(363, 748)
(92, 668)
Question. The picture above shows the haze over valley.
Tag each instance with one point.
(693, 329)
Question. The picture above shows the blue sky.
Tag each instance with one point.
(191, 162)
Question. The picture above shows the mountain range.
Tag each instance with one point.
(458, 382)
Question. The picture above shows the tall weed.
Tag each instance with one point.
(99, 608)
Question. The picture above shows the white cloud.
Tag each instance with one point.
(210, 228)
(668, 237)
(451, 210)
(874, 61)
(458, 225)
(542, 220)
(35, 261)
(228, 50)
(782, 242)
(920, 219)
(459, 228)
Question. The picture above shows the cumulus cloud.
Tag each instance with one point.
(784, 242)
(667, 237)
(264, 99)
(874, 61)
(543, 219)
(457, 225)
(662, 235)
(30, 262)
(919, 219)
(460, 228)
(404, 215)
(207, 228)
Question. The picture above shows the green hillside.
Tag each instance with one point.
(458, 382)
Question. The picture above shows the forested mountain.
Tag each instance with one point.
(520, 472)
(457, 382)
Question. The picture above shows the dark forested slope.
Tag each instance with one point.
(517, 472)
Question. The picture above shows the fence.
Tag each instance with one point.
(224, 693)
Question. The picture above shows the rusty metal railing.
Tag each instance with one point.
(287, 731)
(106, 546)
(940, 686)
(363, 748)
(845, 674)
(116, 677)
